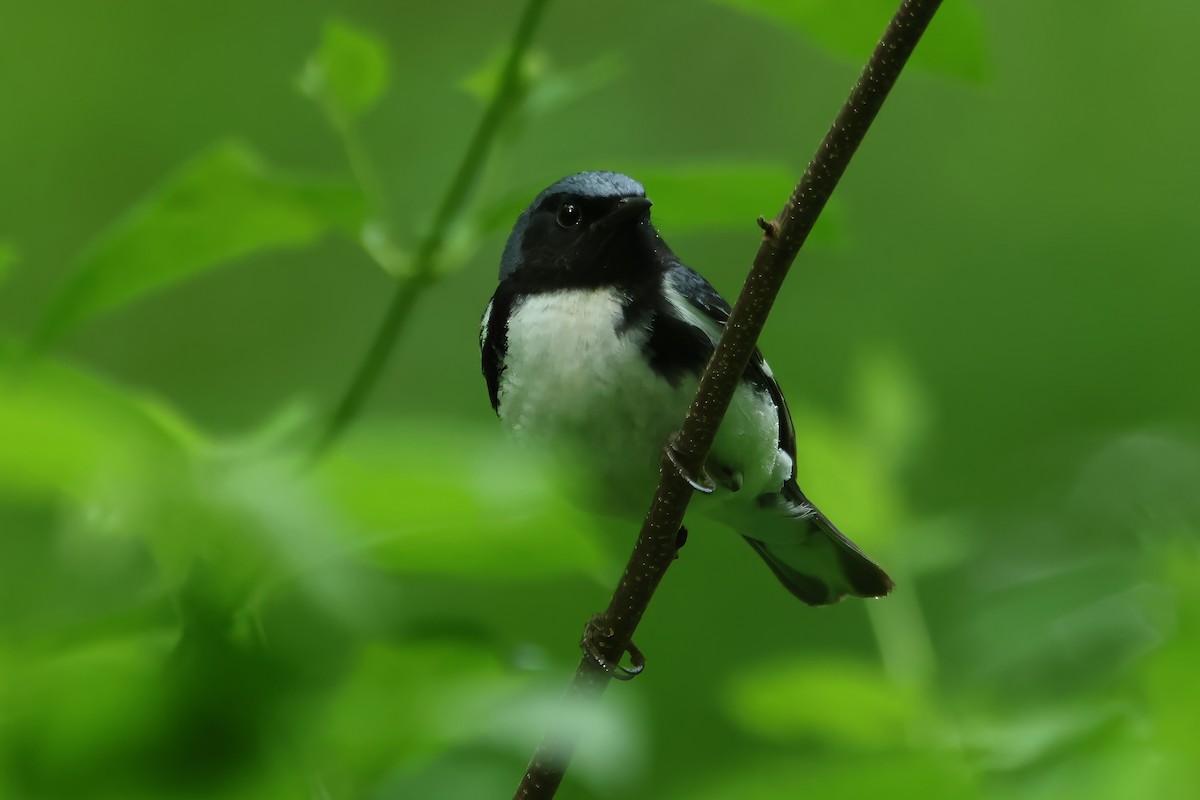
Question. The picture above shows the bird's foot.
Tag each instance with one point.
(728, 477)
(701, 482)
(598, 629)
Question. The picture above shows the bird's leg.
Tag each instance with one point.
(728, 477)
(597, 629)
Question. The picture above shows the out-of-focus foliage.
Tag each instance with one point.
(349, 72)
(224, 205)
(990, 375)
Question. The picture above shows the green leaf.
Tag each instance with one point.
(67, 433)
(927, 775)
(440, 499)
(1017, 740)
(451, 693)
(223, 205)
(838, 469)
(483, 83)
(558, 87)
(891, 406)
(111, 464)
(348, 73)
(444, 691)
(954, 44)
(839, 700)
(544, 87)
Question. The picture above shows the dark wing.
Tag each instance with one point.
(493, 343)
(820, 565)
(701, 295)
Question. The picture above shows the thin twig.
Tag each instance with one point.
(421, 270)
(782, 239)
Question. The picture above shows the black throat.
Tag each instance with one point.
(634, 263)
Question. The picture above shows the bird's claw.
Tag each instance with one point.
(701, 482)
(597, 629)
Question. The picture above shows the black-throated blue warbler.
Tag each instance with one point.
(593, 345)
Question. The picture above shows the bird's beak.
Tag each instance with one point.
(627, 215)
(628, 209)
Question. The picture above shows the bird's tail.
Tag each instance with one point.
(813, 559)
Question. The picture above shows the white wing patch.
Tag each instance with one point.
(483, 324)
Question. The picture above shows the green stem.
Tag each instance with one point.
(424, 260)
(361, 165)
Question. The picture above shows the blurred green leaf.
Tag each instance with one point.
(1018, 741)
(826, 698)
(348, 73)
(460, 501)
(1167, 680)
(891, 406)
(116, 466)
(443, 692)
(78, 717)
(224, 205)
(115, 463)
(382, 248)
(955, 44)
(483, 82)
(921, 774)
(1071, 623)
(1157, 475)
(544, 86)
(448, 694)
(66, 432)
(839, 470)
(555, 88)
(1116, 767)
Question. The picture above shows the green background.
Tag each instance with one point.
(990, 347)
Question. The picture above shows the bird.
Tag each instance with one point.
(592, 348)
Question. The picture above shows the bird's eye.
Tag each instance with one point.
(569, 215)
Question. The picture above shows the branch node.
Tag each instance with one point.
(769, 226)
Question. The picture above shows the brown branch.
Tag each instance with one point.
(782, 239)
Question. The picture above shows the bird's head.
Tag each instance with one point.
(581, 230)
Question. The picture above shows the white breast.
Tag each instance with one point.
(572, 383)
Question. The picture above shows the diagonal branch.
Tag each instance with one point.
(421, 273)
(782, 239)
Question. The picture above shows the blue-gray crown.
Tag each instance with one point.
(584, 184)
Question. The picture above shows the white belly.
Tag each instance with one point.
(572, 385)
